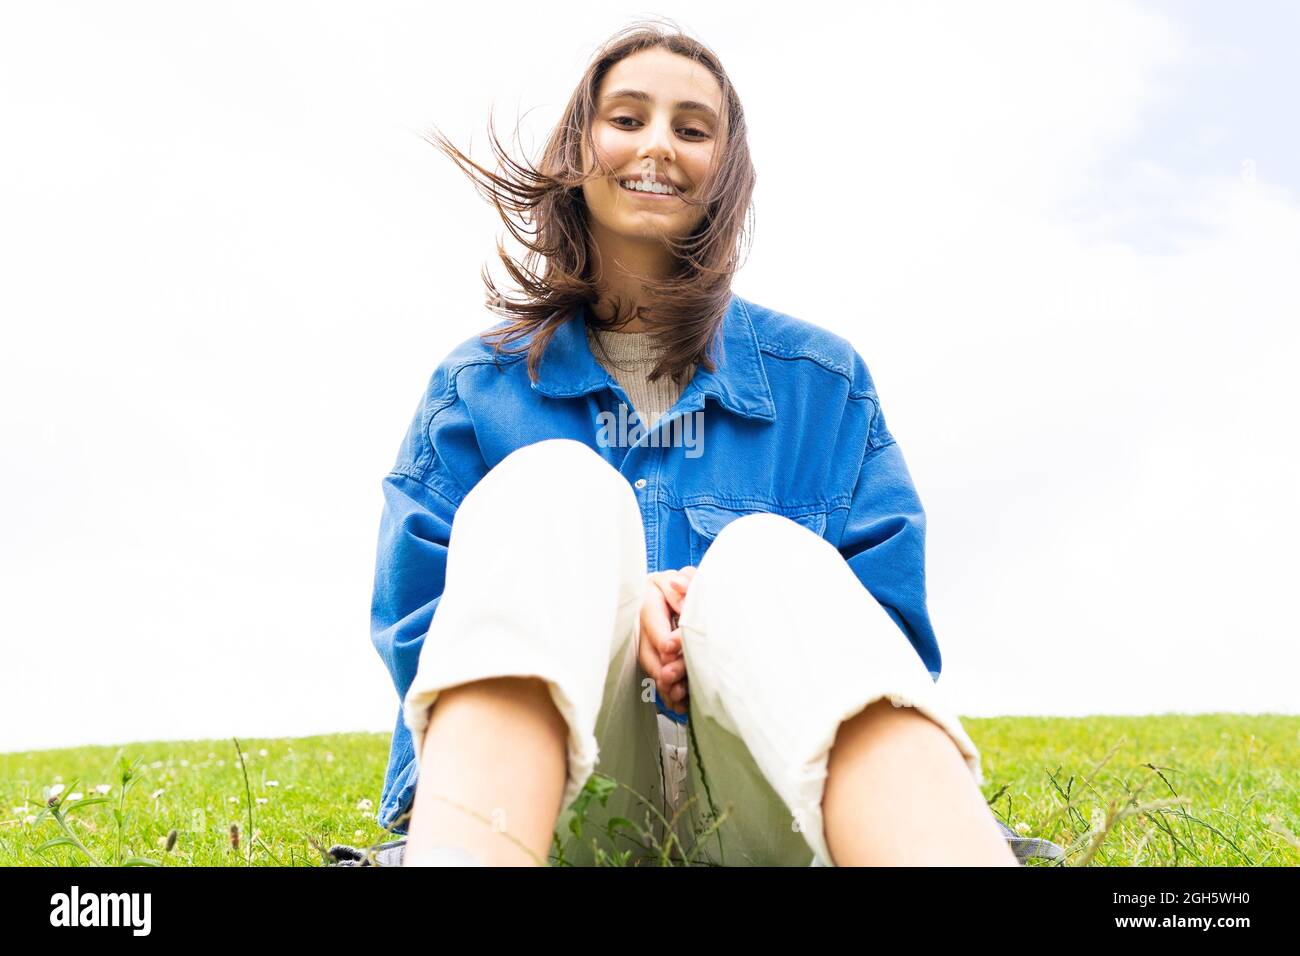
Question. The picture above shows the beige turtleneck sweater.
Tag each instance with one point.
(632, 356)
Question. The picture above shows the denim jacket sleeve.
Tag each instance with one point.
(884, 535)
(437, 462)
(663, 708)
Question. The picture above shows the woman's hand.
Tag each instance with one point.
(660, 651)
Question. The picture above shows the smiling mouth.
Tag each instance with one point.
(650, 193)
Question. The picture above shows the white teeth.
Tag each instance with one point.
(647, 187)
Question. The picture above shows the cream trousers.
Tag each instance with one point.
(546, 573)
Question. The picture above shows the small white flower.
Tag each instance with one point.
(156, 794)
(329, 757)
(29, 819)
(262, 751)
(1022, 827)
(261, 799)
(1098, 818)
(103, 788)
(53, 791)
(19, 811)
(212, 756)
(221, 763)
(234, 799)
(185, 763)
(359, 833)
(156, 764)
(273, 783)
(364, 804)
(75, 796)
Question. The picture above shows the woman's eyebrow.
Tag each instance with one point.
(646, 98)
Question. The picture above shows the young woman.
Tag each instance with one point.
(683, 512)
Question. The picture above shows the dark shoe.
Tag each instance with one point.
(385, 854)
(1029, 847)
(394, 853)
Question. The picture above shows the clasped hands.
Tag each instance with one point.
(660, 650)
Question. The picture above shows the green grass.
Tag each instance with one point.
(1169, 790)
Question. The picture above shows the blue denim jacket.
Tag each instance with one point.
(790, 423)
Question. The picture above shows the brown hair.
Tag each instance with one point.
(686, 308)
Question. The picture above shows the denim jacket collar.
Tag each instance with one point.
(740, 384)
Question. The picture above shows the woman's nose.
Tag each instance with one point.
(658, 142)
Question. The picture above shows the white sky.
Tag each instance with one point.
(1064, 237)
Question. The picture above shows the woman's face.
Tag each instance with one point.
(657, 119)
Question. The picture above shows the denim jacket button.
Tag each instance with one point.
(640, 482)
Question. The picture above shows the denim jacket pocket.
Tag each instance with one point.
(707, 520)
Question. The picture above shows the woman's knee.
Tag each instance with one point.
(760, 554)
(568, 452)
(766, 543)
(554, 472)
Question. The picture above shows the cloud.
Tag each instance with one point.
(232, 286)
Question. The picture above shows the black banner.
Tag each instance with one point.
(372, 903)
